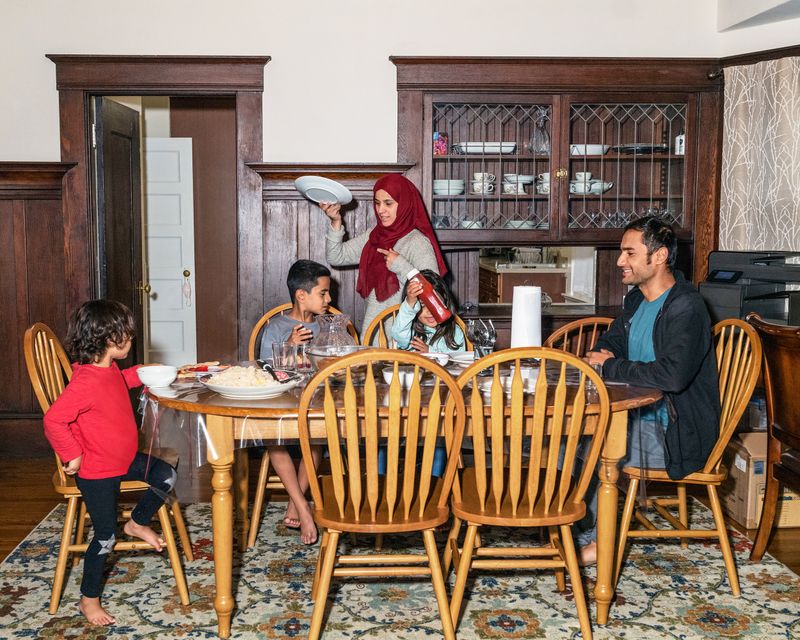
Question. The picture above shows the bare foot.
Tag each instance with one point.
(94, 612)
(588, 555)
(308, 529)
(145, 533)
(292, 517)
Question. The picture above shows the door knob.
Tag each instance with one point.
(186, 273)
(145, 288)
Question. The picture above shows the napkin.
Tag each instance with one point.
(526, 317)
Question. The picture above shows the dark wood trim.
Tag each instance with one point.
(39, 180)
(760, 56)
(164, 75)
(79, 77)
(278, 177)
(547, 75)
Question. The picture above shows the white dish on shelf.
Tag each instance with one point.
(485, 147)
(448, 191)
(588, 149)
(598, 186)
(520, 224)
(518, 178)
(253, 393)
(319, 189)
(471, 224)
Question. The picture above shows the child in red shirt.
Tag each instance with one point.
(92, 429)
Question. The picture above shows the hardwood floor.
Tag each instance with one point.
(28, 497)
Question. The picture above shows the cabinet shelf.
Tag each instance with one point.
(490, 197)
(629, 157)
(494, 156)
(623, 196)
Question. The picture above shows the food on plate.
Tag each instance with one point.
(192, 370)
(242, 377)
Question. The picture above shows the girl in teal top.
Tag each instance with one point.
(414, 328)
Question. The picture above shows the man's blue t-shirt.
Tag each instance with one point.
(640, 349)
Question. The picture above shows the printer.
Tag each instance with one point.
(739, 282)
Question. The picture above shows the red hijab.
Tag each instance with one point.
(372, 270)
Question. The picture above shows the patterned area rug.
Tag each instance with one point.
(664, 592)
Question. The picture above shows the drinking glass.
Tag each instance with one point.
(284, 356)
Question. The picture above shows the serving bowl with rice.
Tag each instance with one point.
(248, 383)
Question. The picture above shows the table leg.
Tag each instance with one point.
(607, 497)
(220, 455)
(241, 474)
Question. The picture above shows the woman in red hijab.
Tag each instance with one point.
(402, 240)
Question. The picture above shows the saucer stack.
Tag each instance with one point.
(448, 187)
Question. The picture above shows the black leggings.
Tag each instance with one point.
(101, 498)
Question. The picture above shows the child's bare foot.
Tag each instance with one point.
(588, 555)
(94, 612)
(145, 533)
(292, 517)
(308, 530)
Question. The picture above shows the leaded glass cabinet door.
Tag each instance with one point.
(625, 160)
(490, 164)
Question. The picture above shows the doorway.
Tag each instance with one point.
(185, 306)
(238, 78)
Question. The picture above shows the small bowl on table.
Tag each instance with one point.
(157, 376)
(324, 355)
(404, 372)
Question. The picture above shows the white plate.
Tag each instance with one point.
(588, 149)
(252, 393)
(485, 147)
(319, 189)
(441, 358)
(463, 358)
(519, 224)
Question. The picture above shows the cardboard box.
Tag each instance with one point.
(742, 494)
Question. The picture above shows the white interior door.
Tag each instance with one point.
(169, 228)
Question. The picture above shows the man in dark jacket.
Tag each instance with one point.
(662, 340)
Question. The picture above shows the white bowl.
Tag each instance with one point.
(528, 384)
(471, 224)
(598, 186)
(406, 373)
(448, 191)
(157, 375)
(588, 149)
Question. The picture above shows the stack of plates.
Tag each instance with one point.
(448, 187)
(517, 178)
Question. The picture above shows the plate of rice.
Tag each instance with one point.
(248, 383)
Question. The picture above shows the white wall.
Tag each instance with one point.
(330, 89)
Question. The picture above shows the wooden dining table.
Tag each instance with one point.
(231, 425)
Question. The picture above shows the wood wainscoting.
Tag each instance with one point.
(33, 247)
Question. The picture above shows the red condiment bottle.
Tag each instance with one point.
(430, 298)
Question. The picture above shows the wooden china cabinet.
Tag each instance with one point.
(574, 149)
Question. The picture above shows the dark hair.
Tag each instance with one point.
(94, 325)
(656, 234)
(446, 329)
(303, 274)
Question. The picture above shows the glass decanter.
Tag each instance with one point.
(540, 140)
(332, 331)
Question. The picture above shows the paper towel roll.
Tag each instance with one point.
(526, 317)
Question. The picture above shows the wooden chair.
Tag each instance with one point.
(48, 367)
(781, 345)
(378, 325)
(738, 355)
(517, 477)
(579, 336)
(265, 480)
(353, 497)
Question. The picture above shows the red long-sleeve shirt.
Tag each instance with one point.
(93, 417)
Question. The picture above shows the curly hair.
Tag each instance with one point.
(95, 325)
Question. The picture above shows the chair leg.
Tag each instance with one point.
(258, 501)
(76, 559)
(447, 556)
(321, 596)
(575, 579)
(767, 518)
(378, 541)
(462, 572)
(63, 554)
(174, 556)
(322, 544)
(724, 542)
(561, 583)
(438, 584)
(183, 534)
(683, 512)
(625, 525)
